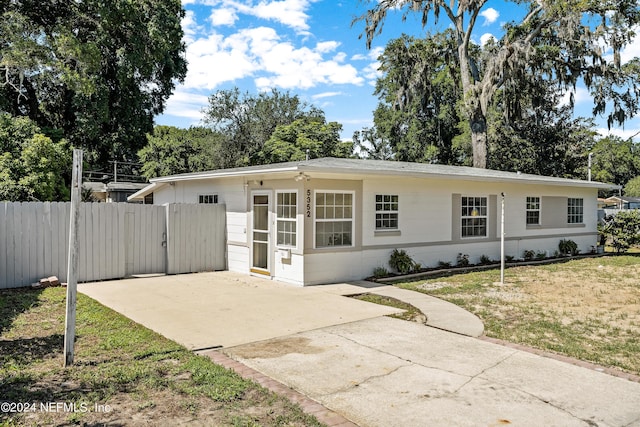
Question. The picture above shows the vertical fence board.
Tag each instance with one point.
(116, 240)
(3, 245)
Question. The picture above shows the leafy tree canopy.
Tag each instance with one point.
(247, 121)
(32, 166)
(564, 42)
(171, 150)
(615, 160)
(95, 71)
(420, 123)
(310, 135)
(632, 188)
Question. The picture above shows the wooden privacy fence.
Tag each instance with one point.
(116, 240)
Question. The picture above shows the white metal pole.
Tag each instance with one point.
(589, 168)
(502, 242)
(72, 264)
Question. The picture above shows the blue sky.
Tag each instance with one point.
(309, 48)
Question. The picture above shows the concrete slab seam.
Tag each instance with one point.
(307, 405)
(562, 358)
(393, 355)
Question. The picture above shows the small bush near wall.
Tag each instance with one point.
(380, 272)
(462, 260)
(401, 261)
(568, 247)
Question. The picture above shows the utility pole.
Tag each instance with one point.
(502, 242)
(72, 265)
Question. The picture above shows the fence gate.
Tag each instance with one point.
(116, 240)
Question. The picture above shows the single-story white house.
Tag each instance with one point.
(328, 220)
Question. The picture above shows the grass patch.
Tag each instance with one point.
(587, 308)
(120, 366)
(411, 313)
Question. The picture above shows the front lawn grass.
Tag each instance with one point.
(588, 308)
(123, 374)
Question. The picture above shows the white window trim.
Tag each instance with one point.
(375, 218)
(539, 210)
(582, 214)
(295, 219)
(215, 197)
(486, 217)
(353, 219)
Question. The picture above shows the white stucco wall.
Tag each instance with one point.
(427, 222)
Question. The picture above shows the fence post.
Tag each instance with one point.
(72, 266)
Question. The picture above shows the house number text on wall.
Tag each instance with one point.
(308, 203)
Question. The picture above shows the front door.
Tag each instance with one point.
(260, 234)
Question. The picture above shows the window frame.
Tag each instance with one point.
(575, 211)
(316, 220)
(485, 216)
(291, 220)
(203, 197)
(391, 212)
(528, 210)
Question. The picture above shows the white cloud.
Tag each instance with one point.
(490, 16)
(632, 50)
(291, 13)
(261, 53)
(580, 95)
(186, 104)
(620, 132)
(325, 95)
(373, 54)
(190, 26)
(486, 37)
(223, 16)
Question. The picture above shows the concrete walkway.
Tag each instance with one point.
(440, 314)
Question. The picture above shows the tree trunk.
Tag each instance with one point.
(478, 124)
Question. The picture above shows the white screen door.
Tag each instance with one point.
(260, 234)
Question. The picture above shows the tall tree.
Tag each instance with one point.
(615, 160)
(563, 41)
(172, 150)
(311, 136)
(420, 123)
(541, 136)
(247, 121)
(33, 167)
(96, 71)
(632, 187)
(372, 145)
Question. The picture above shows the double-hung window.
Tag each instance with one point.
(333, 219)
(533, 210)
(286, 225)
(386, 212)
(474, 217)
(575, 211)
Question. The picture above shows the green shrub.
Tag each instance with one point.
(462, 260)
(528, 254)
(622, 229)
(401, 261)
(444, 264)
(380, 272)
(541, 255)
(484, 260)
(568, 247)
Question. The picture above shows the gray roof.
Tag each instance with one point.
(330, 165)
(383, 167)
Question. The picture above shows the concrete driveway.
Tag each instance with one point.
(373, 370)
(389, 372)
(223, 309)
